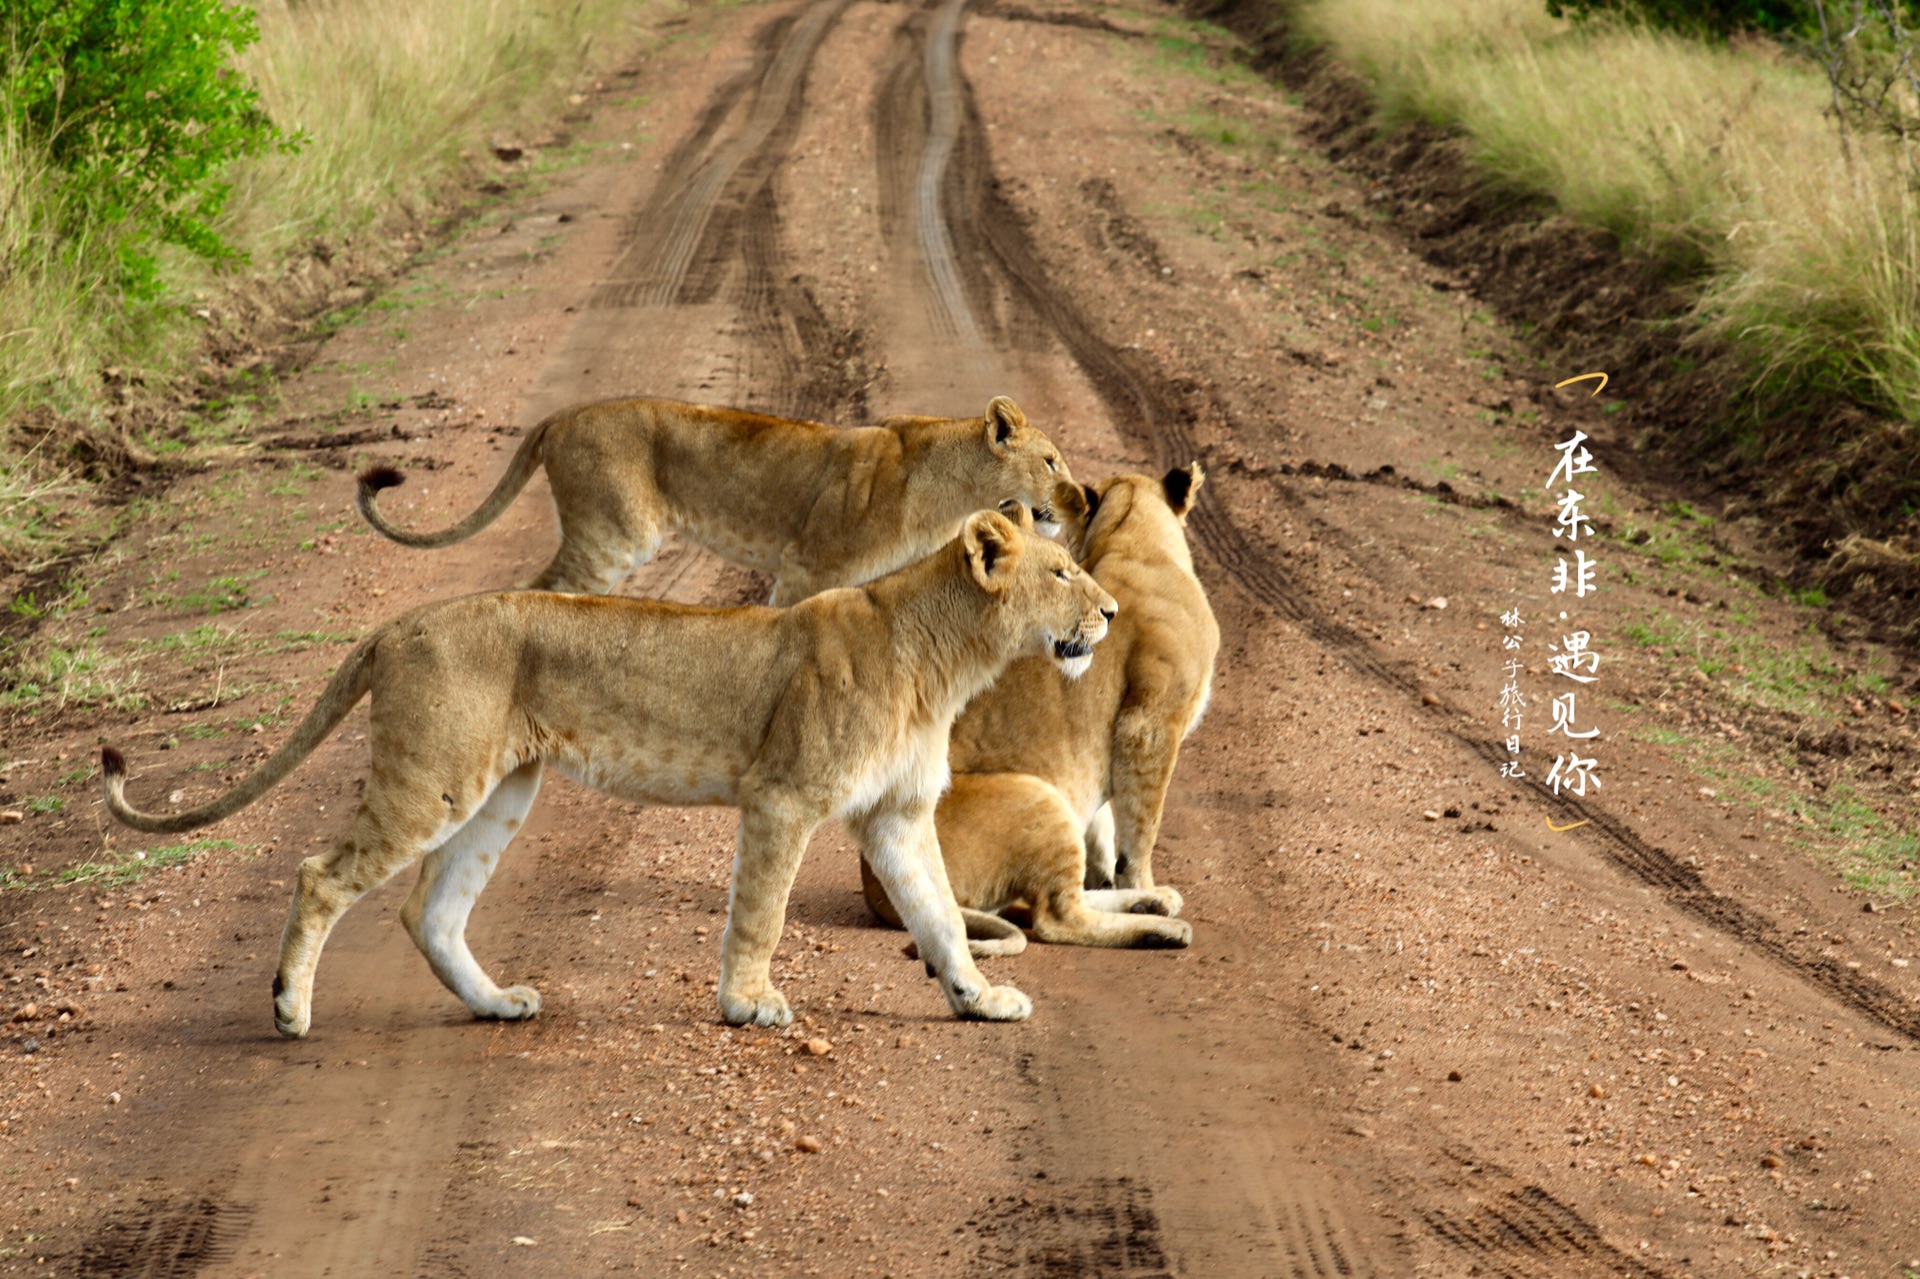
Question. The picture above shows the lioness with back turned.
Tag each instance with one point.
(840, 705)
(1035, 757)
(816, 506)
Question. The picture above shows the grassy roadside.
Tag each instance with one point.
(399, 106)
(1715, 158)
(1798, 351)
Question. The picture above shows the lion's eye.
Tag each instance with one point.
(1063, 575)
(1051, 466)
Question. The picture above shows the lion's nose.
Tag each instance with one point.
(1110, 613)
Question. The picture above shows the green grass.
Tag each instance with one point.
(204, 638)
(220, 595)
(128, 869)
(1864, 848)
(82, 676)
(1756, 669)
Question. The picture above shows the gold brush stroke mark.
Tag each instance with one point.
(1585, 377)
(1570, 826)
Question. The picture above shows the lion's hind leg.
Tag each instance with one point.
(1074, 917)
(387, 835)
(1028, 844)
(452, 879)
(611, 522)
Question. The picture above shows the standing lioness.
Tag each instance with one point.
(839, 705)
(816, 506)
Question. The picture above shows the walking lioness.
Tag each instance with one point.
(816, 506)
(839, 705)
(1035, 757)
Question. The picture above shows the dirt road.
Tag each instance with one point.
(1428, 1025)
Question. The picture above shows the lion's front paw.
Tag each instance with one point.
(1169, 934)
(769, 1008)
(1163, 901)
(292, 1017)
(515, 1003)
(998, 1003)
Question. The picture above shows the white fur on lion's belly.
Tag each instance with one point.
(1074, 667)
(917, 766)
(632, 780)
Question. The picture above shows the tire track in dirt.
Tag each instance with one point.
(160, 1239)
(709, 236)
(953, 317)
(1508, 1228)
(657, 263)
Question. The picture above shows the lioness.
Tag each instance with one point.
(839, 705)
(1035, 756)
(816, 506)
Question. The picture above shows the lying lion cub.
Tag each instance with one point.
(816, 506)
(1035, 756)
(839, 705)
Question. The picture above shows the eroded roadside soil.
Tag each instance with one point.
(1421, 1031)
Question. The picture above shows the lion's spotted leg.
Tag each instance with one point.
(773, 834)
(452, 879)
(367, 856)
(1145, 749)
(599, 547)
(1099, 841)
(904, 851)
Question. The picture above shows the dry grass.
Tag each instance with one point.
(1716, 158)
(388, 97)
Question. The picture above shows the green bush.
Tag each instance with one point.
(139, 114)
(1701, 17)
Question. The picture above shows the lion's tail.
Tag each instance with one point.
(990, 934)
(526, 459)
(343, 693)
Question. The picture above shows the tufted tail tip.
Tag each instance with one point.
(375, 478)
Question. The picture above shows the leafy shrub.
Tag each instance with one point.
(137, 109)
(1701, 17)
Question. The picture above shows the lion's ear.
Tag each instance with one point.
(1016, 511)
(1004, 418)
(1180, 484)
(992, 545)
(1073, 503)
